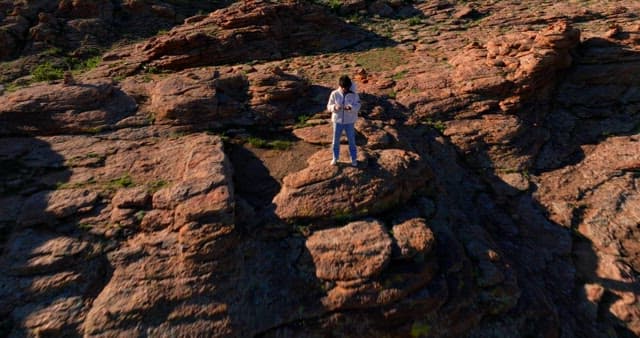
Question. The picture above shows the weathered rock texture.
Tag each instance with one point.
(389, 177)
(495, 192)
(243, 32)
(35, 26)
(52, 109)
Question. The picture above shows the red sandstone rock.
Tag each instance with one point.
(358, 250)
(413, 237)
(137, 197)
(49, 206)
(249, 31)
(197, 96)
(388, 178)
(497, 254)
(49, 109)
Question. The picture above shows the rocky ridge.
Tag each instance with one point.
(496, 190)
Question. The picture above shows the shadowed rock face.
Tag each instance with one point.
(29, 27)
(495, 193)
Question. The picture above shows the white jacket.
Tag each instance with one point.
(342, 115)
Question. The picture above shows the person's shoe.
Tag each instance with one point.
(354, 163)
(334, 162)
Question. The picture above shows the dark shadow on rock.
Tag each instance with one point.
(596, 98)
(316, 101)
(51, 269)
(252, 180)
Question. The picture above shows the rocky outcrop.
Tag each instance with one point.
(352, 259)
(388, 178)
(598, 98)
(198, 97)
(596, 197)
(276, 95)
(510, 71)
(50, 279)
(519, 63)
(254, 30)
(84, 25)
(495, 193)
(187, 210)
(359, 250)
(60, 108)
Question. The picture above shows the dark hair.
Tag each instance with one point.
(345, 82)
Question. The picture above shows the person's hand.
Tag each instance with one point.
(338, 107)
(348, 107)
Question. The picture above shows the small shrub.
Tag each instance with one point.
(85, 226)
(53, 51)
(47, 72)
(400, 75)
(151, 69)
(437, 124)
(264, 144)
(257, 142)
(157, 185)
(90, 63)
(280, 145)
(12, 87)
(140, 215)
(420, 329)
(123, 181)
(413, 21)
(68, 185)
(335, 5)
(302, 121)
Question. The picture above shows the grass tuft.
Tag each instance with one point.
(47, 72)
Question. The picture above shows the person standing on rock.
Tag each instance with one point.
(344, 105)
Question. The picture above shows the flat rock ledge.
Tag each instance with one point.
(383, 179)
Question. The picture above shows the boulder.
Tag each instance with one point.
(136, 197)
(359, 250)
(198, 96)
(389, 178)
(319, 134)
(57, 108)
(275, 95)
(413, 237)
